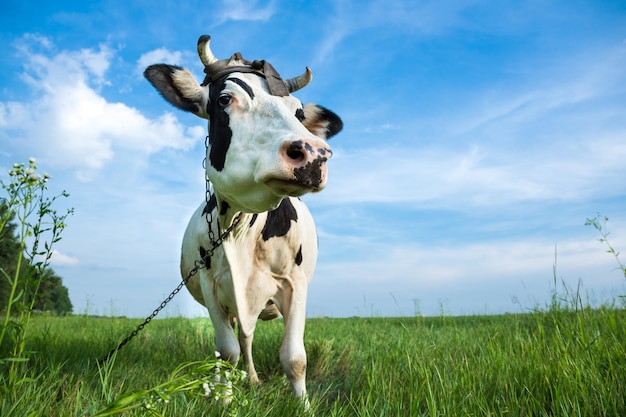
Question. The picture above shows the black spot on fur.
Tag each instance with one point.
(224, 208)
(210, 205)
(311, 173)
(299, 256)
(207, 261)
(243, 85)
(220, 134)
(253, 219)
(300, 114)
(279, 220)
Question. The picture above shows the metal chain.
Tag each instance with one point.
(198, 265)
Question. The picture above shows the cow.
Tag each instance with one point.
(264, 150)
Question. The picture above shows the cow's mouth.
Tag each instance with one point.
(290, 187)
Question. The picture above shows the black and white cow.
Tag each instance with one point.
(264, 150)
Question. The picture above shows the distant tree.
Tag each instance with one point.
(52, 295)
(9, 247)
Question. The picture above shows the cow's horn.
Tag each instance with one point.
(204, 50)
(296, 83)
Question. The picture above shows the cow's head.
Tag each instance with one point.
(263, 144)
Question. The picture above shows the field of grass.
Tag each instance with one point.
(568, 360)
(555, 363)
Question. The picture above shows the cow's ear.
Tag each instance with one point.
(321, 121)
(178, 86)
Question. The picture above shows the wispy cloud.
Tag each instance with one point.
(557, 137)
(506, 275)
(476, 176)
(238, 10)
(593, 74)
(358, 18)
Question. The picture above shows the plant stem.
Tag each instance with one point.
(16, 276)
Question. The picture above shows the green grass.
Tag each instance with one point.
(555, 363)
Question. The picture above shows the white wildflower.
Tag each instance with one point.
(207, 389)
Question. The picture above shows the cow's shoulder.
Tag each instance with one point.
(278, 222)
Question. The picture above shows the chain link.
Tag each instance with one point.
(198, 265)
(209, 213)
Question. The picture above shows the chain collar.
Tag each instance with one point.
(215, 242)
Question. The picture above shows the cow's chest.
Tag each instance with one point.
(247, 272)
(261, 258)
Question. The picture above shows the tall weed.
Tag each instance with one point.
(39, 229)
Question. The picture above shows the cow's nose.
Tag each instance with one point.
(299, 153)
(306, 162)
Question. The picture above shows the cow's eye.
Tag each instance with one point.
(224, 100)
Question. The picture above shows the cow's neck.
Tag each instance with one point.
(226, 213)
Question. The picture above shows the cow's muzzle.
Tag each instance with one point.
(308, 161)
(304, 163)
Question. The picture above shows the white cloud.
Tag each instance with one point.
(74, 125)
(443, 265)
(160, 55)
(504, 275)
(60, 259)
(47, 70)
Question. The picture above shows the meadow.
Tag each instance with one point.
(562, 361)
(566, 359)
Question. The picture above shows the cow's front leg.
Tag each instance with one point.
(226, 346)
(245, 343)
(292, 352)
(225, 341)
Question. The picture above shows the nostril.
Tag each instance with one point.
(295, 154)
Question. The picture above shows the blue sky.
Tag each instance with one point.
(478, 138)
